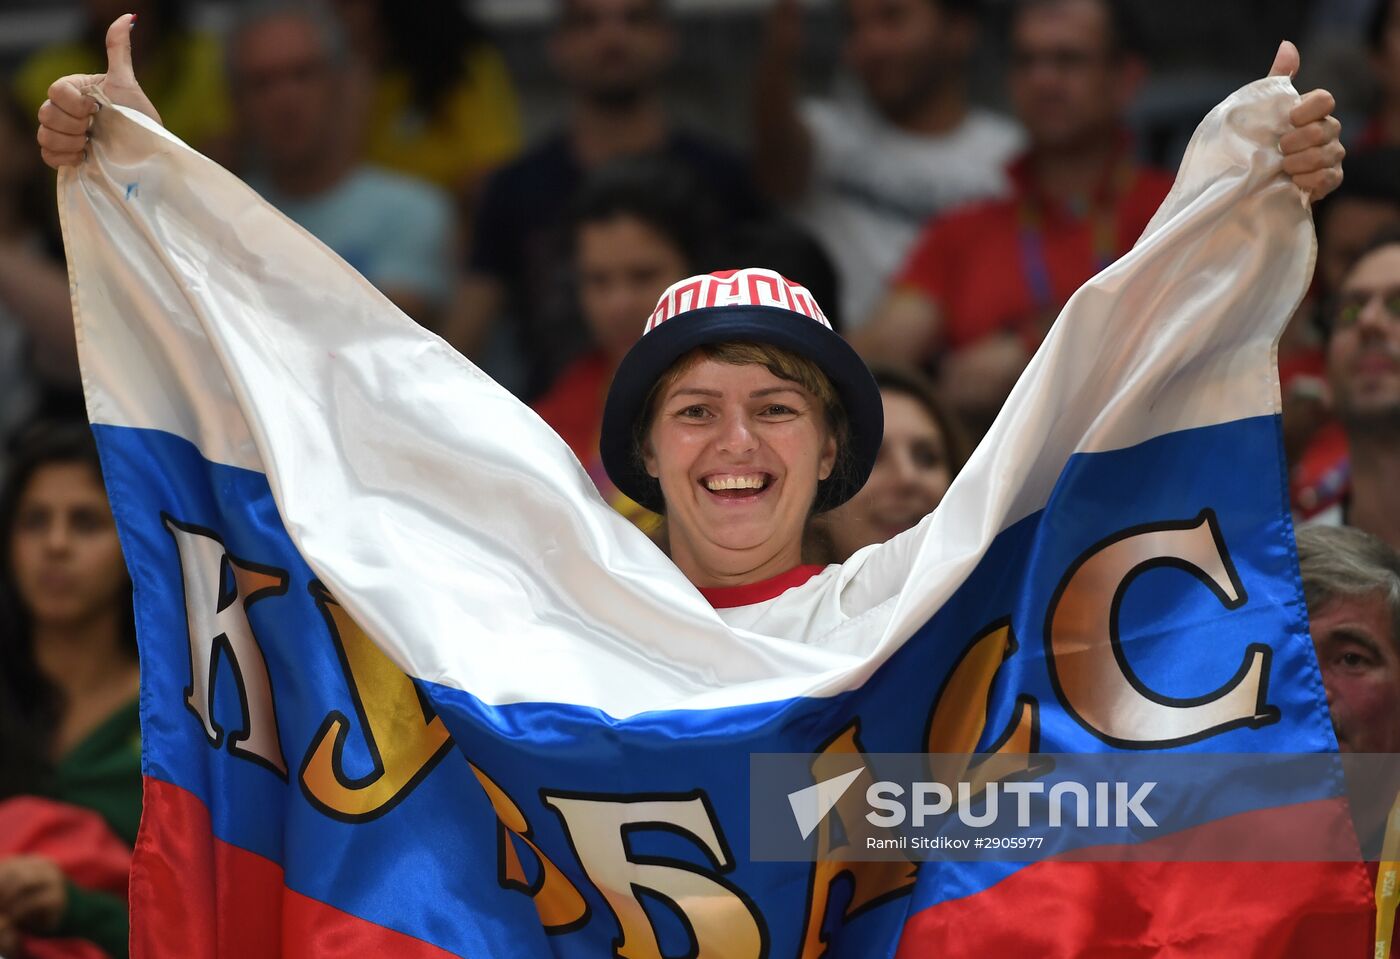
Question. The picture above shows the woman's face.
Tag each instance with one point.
(64, 551)
(909, 479)
(738, 452)
(624, 266)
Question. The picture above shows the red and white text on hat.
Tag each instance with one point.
(751, 287)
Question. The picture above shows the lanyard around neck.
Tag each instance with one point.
(1388, 885)
(1103, 228)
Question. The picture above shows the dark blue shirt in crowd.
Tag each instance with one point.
(519, 239)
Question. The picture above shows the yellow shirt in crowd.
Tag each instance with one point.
(477, 128)
(184, 79)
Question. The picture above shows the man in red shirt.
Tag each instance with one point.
(984, 282)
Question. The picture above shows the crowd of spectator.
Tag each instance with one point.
(942, 236)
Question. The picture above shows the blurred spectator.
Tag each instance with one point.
(638, 226)
(779, 244)
(865, 171)
(38, 356)
(983, 284)
(1383, 38)
(1363, 374)
(287, 63)
(923, 449)
(611, 56)
(69, 728)
(439, 103)
(1367, 202)
(180, 70)
(1351, 582)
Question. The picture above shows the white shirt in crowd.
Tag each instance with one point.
(874, 186)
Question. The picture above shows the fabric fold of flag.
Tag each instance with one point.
(409, 686)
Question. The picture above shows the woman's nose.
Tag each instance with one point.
(902, 466)
(57, 537)
(906, 469)
(736, 435)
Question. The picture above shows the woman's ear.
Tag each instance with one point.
(828, 461)
(649, 460)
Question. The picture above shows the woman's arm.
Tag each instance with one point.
(1186, 296)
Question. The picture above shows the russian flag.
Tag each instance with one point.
(410, 688)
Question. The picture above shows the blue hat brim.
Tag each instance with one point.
(655, 352)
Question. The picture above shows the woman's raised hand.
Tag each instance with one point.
(66, 115)
(1312, 150)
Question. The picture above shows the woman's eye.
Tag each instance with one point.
(692, 412)
(87, 521)
(778, 409)
(926, 456)
(32, 520)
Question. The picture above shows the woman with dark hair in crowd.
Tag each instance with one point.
(439, 103)
(637, 226)
(69, 728)
(923, 449)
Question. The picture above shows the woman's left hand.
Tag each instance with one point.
(33, 892)
(1312, 150)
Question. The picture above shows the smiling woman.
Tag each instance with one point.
(739, 414)
(739, 436)
(923, 449)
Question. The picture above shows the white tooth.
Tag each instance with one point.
(718, 483)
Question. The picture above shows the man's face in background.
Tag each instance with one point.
(284, 90)
(904, 50)
(1363, 351)
(613, 51)
(1356, 650)
(1069, 83)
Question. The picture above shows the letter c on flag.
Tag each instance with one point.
(1090, 669)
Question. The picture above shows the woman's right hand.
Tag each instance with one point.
(33, 893)
(66, 115)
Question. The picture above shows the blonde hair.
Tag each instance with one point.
(784, 364)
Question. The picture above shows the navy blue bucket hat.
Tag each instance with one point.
(748, 306)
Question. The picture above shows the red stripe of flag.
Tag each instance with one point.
(197, 897)
(1167, 910)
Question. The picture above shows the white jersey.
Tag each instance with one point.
(819, 606)
(874, 186)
